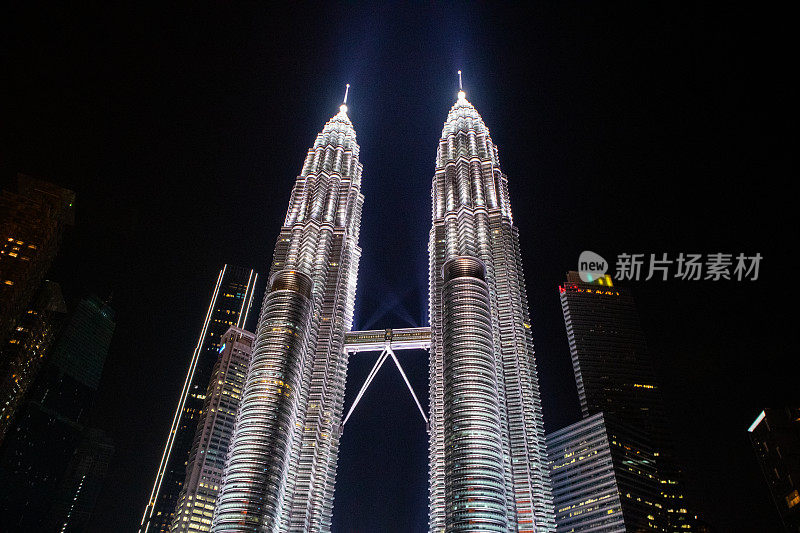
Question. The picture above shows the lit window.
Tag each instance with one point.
(792, 499)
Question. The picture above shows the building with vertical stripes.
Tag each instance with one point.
(614, 375)
(488, 462)
(282, 463)
(213, 436)
(230, 302)
(604, 478)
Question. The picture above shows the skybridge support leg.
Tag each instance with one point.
(377, 366)
(400, 368)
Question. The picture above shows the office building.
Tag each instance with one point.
(775, 434)
(77, 493)
(50, 423)
(604, 478)
(614, 375)
(28, 345)
(231, 299)
(209, 450)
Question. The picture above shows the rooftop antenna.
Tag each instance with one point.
(461, 94)
(343, 107)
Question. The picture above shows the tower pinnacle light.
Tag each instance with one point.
(461, 94)
(343, 107)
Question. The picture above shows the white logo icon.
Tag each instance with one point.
(591, 266)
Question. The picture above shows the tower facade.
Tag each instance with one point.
(282, 462)
(27, 348)
(775, 435)
(488, 461)
(213, 436)
(604, 478)
(614, 375)
(231, 299)
(32, 222)
(51, 421)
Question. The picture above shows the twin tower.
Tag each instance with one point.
(488, 466)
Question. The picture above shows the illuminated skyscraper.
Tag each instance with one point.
(488, 462)
(213, 436)
(282, 463)
(230, 303)
(614, 375)
(604, 478)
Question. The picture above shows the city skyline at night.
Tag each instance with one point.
(656, 131)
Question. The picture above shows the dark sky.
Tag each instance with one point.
(653, 127)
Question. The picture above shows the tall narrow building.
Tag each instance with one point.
(84, 479)
(488, 460)
(614, 375)
(213, 436)
(231, 299)
(282, 462)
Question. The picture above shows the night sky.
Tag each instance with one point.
(622, 128)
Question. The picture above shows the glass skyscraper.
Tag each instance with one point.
(604, 478)
(231, 299)
(282, 464)
(488, 462)
(614, 375)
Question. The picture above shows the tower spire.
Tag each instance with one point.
(461, 94)
(343, 107)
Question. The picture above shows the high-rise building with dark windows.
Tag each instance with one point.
(614, 375)
(81, 484)
(488, 460)
(604, 478)
(213, 436)
(775, 434)
(230, 302)
(26, 350)
(32, 222)
(51, 422)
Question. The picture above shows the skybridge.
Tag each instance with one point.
(386, 341)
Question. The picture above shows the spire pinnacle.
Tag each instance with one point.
(461, 94)
(343, 107)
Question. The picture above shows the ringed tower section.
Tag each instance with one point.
(488, 462)
(281, 467)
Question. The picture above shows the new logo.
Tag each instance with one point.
(591, 266)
